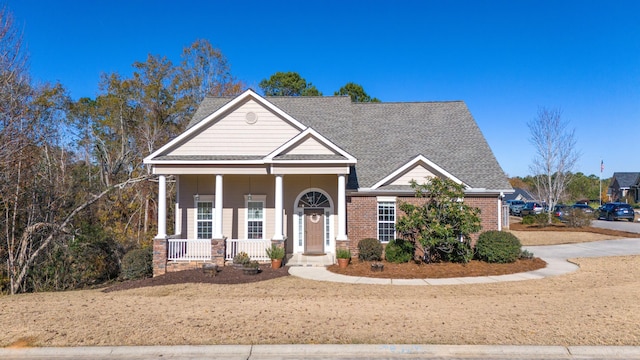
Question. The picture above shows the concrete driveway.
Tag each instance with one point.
(620, 225)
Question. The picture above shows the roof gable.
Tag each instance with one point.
(309, 144)
(419, 169)
(246, 126)
(519, 194)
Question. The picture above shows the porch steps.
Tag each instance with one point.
(311, 260)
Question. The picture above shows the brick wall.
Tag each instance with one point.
(362, 215)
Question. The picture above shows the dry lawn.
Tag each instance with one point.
(536, 238)
(597, 305)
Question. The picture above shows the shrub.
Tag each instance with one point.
(528, 220)
(137, 264)
(370, 250)
(498, 247)
(453, 251)
(91, 257)
(541, 219)
(399, 251)
(526, 254)
(441, 227)
(578, 218)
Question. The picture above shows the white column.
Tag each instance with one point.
(177, 227)
(342, 208)
(218, 212)
(279, 235)
(162, 207)
(500, 213)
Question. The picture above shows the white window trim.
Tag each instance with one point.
(255, 198)
(203, 198)
(386, 199)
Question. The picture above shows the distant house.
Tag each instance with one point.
(310, 174)
(624, 186)
(519, 194)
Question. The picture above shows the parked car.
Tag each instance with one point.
(515, 206)
(615, 211)
(584, 207)
(560, 211)
(531, 208)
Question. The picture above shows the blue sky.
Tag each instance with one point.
(505, 59)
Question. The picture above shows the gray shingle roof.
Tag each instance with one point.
(519, 192)
(385, 136)
(626, 179)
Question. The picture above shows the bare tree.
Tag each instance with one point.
(555, 157)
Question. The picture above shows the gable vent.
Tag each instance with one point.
(251, 117)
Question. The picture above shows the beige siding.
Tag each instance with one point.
(269, 224)
(189, 185)
(310, 146)
(235, 189)
(232, 135)
(227, 221)
(418, 173)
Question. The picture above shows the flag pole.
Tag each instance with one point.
(600, 180)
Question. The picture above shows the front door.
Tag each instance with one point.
(314, 230)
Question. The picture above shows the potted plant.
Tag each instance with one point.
(241, 259)
(344, 256)
(251, 268)
(276, 254)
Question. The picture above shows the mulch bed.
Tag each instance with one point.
(437, 270)
(225, 275)
(231, 275)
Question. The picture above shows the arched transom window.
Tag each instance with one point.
(314, 199)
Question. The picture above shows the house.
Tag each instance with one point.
(519, 194)
(624, 186)
(312, 174)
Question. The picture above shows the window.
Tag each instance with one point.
(255, 220)
(204, 219)
(313, 199)
(386, 220)
(255, 216)
(327, 228)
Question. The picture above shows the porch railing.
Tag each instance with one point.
(189, 249)
(200, 249)
(505, 216)
(255, 248)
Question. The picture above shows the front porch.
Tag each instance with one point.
(185, 254)
(216, 217)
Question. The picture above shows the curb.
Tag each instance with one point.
(296, 351)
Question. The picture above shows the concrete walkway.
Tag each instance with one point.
(555, 255)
